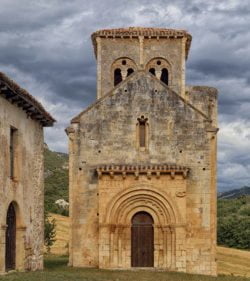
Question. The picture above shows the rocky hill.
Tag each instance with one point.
(235, 193)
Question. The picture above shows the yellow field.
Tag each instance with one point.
(230, 261)
(60, 246)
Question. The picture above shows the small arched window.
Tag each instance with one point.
(117, 76)
(130, 71)
(152, 71)
(142, 122)
(164, 76)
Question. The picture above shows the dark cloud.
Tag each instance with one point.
(45, 46)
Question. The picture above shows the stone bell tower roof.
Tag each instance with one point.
(146, 32)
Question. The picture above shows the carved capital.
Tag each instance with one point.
(180, 193)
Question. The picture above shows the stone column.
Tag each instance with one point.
(20, 248)
(173, 248)
(124, 74)
(158, 74)
(183, 68)
(120, 230)
(73, 153)
(141, 40)
(127, 246)
(212, 134)
(168, 251)
(2, 248)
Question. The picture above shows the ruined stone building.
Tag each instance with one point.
(143, 158)
(22, 119)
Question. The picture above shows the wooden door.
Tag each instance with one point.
(10, 250)
(142, 240)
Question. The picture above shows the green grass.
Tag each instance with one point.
(56, 270)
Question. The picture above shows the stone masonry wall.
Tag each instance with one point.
(178, 133)
(141, 53)
(25, 189)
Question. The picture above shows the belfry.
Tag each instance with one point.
(143, 158)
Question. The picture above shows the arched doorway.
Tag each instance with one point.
(10, 247)
(142, 240)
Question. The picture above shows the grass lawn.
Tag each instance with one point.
(56, 270)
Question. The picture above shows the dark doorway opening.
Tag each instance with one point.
(10, 247)
(142, 240)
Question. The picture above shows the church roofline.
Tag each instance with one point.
(12, 92)
(76, 119)
(146, 32)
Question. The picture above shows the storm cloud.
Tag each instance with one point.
(45, 46)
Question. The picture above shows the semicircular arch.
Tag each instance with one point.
(123, 206)
(158, 62)
(161, 68)
(19, 217)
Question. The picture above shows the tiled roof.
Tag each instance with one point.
(17, 95)
(133, 32)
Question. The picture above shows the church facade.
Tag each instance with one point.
(22, 119)
(143, 159)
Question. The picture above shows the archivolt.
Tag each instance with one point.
(19, 217)
(142, 198)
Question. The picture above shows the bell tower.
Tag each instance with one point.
(160, 51)
(143, 159)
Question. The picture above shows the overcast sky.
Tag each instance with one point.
(45, 47)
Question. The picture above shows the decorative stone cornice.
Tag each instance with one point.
(148, 170)
(141, 32)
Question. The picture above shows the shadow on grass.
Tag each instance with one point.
(52, 262)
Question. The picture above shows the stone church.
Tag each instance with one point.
(22, 119)
(143, 158)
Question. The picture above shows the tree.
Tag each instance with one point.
(49, 232)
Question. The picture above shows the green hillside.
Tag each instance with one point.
(56, 179)
(234, 222)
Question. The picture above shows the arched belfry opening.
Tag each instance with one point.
(164, 76)
(122, 68)
(130, 71)
(160, 68)
(152, 71)
(117, 76)
(10, 244)
(142, 240)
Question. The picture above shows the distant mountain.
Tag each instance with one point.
(56, 179)
(235, 193)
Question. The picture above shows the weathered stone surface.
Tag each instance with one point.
(25, 189)
(112, 177)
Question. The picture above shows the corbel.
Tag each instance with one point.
(184, 174)
(99, 173)
(149, 175)
(111, 173)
